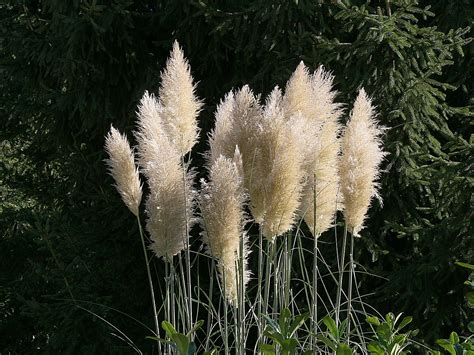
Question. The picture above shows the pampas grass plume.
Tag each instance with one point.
(275, 190)
(321, 193)
(360, 162)
(168, 206)
(221, 202)
(221, 136)
(180, 104)
(122, 167)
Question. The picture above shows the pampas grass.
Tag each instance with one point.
(359, 169)
(321, 164)
(121, 165)
(285, 161)
(180, 105)
(169, 208)
(275, 189)
(221, 202)
(360, 161)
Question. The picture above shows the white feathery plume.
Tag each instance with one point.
(180, 104)
(321, 194)
(298, 94)
(221, 203)
(169, 207)
(359, 165)
(276, 184)
(221, 136)
(237, 121)
(121, 164)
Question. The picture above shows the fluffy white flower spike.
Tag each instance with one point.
(359, 166)
(222, 202)
(276, 183)
(320, 201)
(180, 104)
(169, 204)
(221, 136)
(122, 167)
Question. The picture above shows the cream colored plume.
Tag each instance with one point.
(237, 120)
(222, 218)
(169, 204)
(122, 167)
(276, 184)
(221, 137)
(321, 193)
(298, 94)
(359, 166)
(179, 102)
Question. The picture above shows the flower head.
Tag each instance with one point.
(180, 106)
(222, 217)
(122, 167)
(359, 166)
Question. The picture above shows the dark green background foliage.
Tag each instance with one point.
(71, 68)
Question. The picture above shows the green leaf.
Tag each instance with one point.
(470, 298)
(168, 328)
(329, 343)
(373, 320)
(343, 349)
(283, 321)
(267, 349)
(405, 322)
(375, 349)
(196, 327)
(182, 343)
(454, 338)
(465, 265)
(470, 326)
(331, 325)
(445, 344)
(192, 348)
(274, 325)
(298, 322)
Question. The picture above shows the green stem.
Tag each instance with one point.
(226, 330)
(260, 276)
(172, 293)
(211, 289)
(315, 266)
(287, 270)
(276, 279)
(341, 276)
(242, 296)
(271, 245)
(351, 271)
(150, 282)
(183, 294)
(188, 251)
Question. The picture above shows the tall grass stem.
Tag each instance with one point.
(341, 275)
(150, 282)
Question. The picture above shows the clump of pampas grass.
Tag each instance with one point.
(359, 165)
(221, 203)
(122, 167)
(270, 153)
